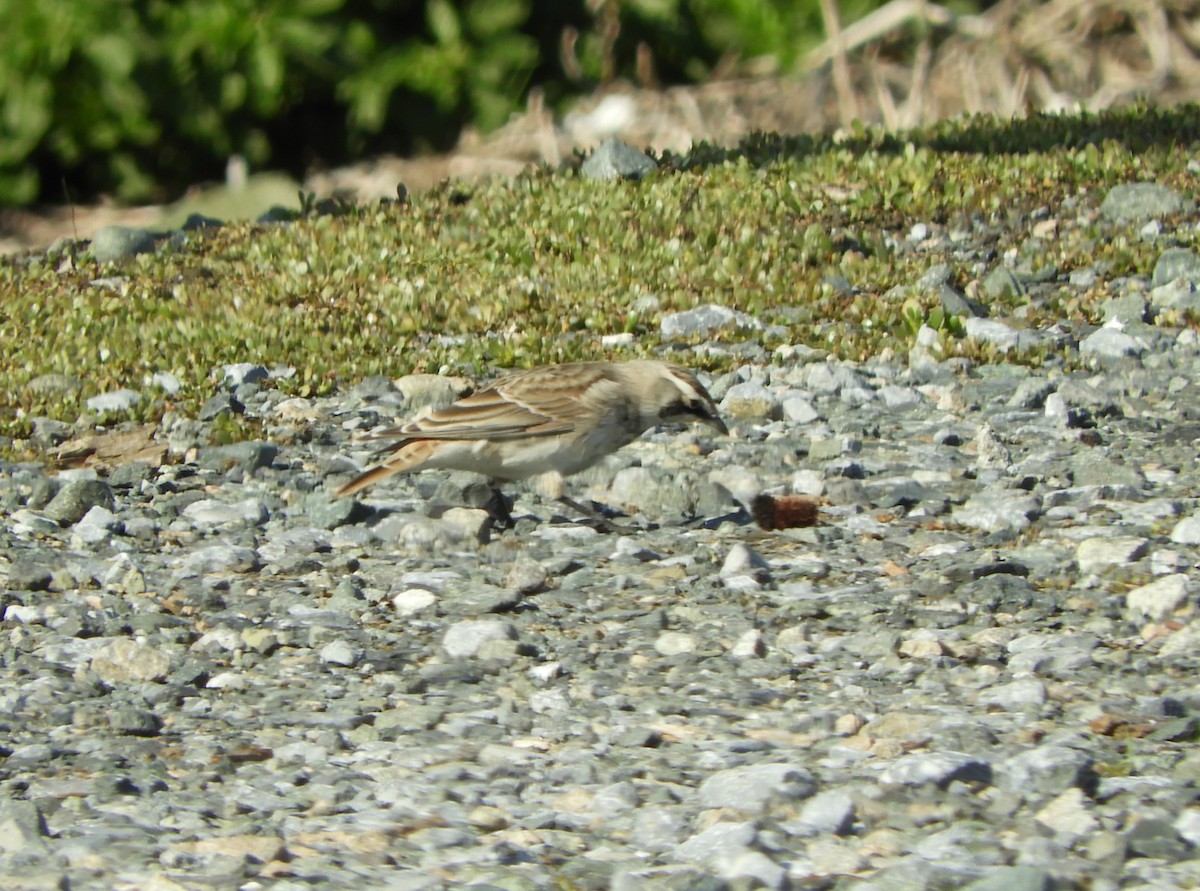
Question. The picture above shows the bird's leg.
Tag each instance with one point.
(602, 522)
(488, 497)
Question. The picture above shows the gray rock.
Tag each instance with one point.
(341, 652)
(1129, 309)
(221, 403)
(1002, 511)
(49, 432)
(1176, 264)
(658, 829)
(939, 768)
(330, 513)
(1178, 295)
(1031, 394)
(1158, 599)
(527, 576)
(114, 400)
(899, 399)
(166, 382)
(1096, 554)
(1093, 469)
(721, 841)
(649, 491)
(935, 277)
(131, 721)
(209, 514)
(240, 373)
(54, 383)
(216, 559)
(27, 573)
(829, 812)
(200, 221)
(1187, 824)
(430, 391)
(751, 400)
(76, 498)
(1187, 530)
(249, 455)
(128, 661)
(1000, 335)
(743, 564)
(1136, 202)
(614, 159)
(1001, 284)
(22, 828)
(28, 521)
(1013, 878)
(956, 303)
(1014, 696)
(832, 378)
(798, 410)
(704, 320)
(755, 869)
(96, 526)
(130, 474)
(1155, 838)
(464, 640)
(675, 643)
(1047, 770)
(112, 243)
(1058, 655)
(1112, 343)
(750, 788)
(468, 523)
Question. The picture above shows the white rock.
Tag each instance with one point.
(1093, 554)
(1068, 815)
(750, 645)
(464, 639)
(1159, 598)
(674, 643)
(1187, 530)
(341, 652)
(413, 600)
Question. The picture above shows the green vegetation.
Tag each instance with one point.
(535, 269)
(141, 99)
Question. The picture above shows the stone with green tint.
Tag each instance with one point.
(76, 498)
(1001, 284)
(1176, 263)
(1013, 878)
(1138, 202)
(112, 243)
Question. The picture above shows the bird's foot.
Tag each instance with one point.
(488, 497)
(599, 521)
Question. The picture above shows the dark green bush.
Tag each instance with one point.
(141, 98)
(68, 95)
(124, 95)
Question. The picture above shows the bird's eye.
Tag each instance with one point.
(677, 409)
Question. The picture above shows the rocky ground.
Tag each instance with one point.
(977, 670)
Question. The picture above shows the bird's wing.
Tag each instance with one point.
(526, 403)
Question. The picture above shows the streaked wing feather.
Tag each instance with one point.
(493, 414)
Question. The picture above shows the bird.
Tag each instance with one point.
(544, 424)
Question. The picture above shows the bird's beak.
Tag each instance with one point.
(716, 423)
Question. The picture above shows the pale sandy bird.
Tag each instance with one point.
(544, 424)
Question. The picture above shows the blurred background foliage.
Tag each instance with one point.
(138, 99)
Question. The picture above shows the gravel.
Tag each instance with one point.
(977, 671)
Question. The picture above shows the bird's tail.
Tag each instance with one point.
(367, 478)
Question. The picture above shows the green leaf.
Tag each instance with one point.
(443, 22)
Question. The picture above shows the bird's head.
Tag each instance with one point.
(671, 394)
